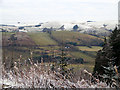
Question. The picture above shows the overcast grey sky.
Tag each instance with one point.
(35, 11)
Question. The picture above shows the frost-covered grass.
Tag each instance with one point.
(41, 76)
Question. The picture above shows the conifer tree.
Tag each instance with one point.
(115, 43)
(111, 76)
(62, 63)
(101, 57)
(111, 49)
(75, 28)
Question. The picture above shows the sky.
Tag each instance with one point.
(37, 11)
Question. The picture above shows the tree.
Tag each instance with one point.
(61, 65)
(111, 76)
(75, 28)
(110, 49)
(115, 43)
(101, 57)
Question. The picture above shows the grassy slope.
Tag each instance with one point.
(7, 33)
(7, 55)
(93, 48)
(86, 58)
(89, 65)
(79, 38)
(42, 39)
(7, 51)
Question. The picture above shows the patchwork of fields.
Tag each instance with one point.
(75, 45)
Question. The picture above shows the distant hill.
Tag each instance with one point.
(40, 38)
(98, 26)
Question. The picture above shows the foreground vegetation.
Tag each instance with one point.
(41, 76)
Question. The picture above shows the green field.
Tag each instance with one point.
(78, 67)
(88, 59)
(16, 53)
(42, 39)
(92, 48)
(76, 38)
(7, 33)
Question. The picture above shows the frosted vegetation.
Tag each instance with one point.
(40, 75)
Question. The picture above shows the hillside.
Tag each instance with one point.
(42, 39)
(76, 38)
(22, 39)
